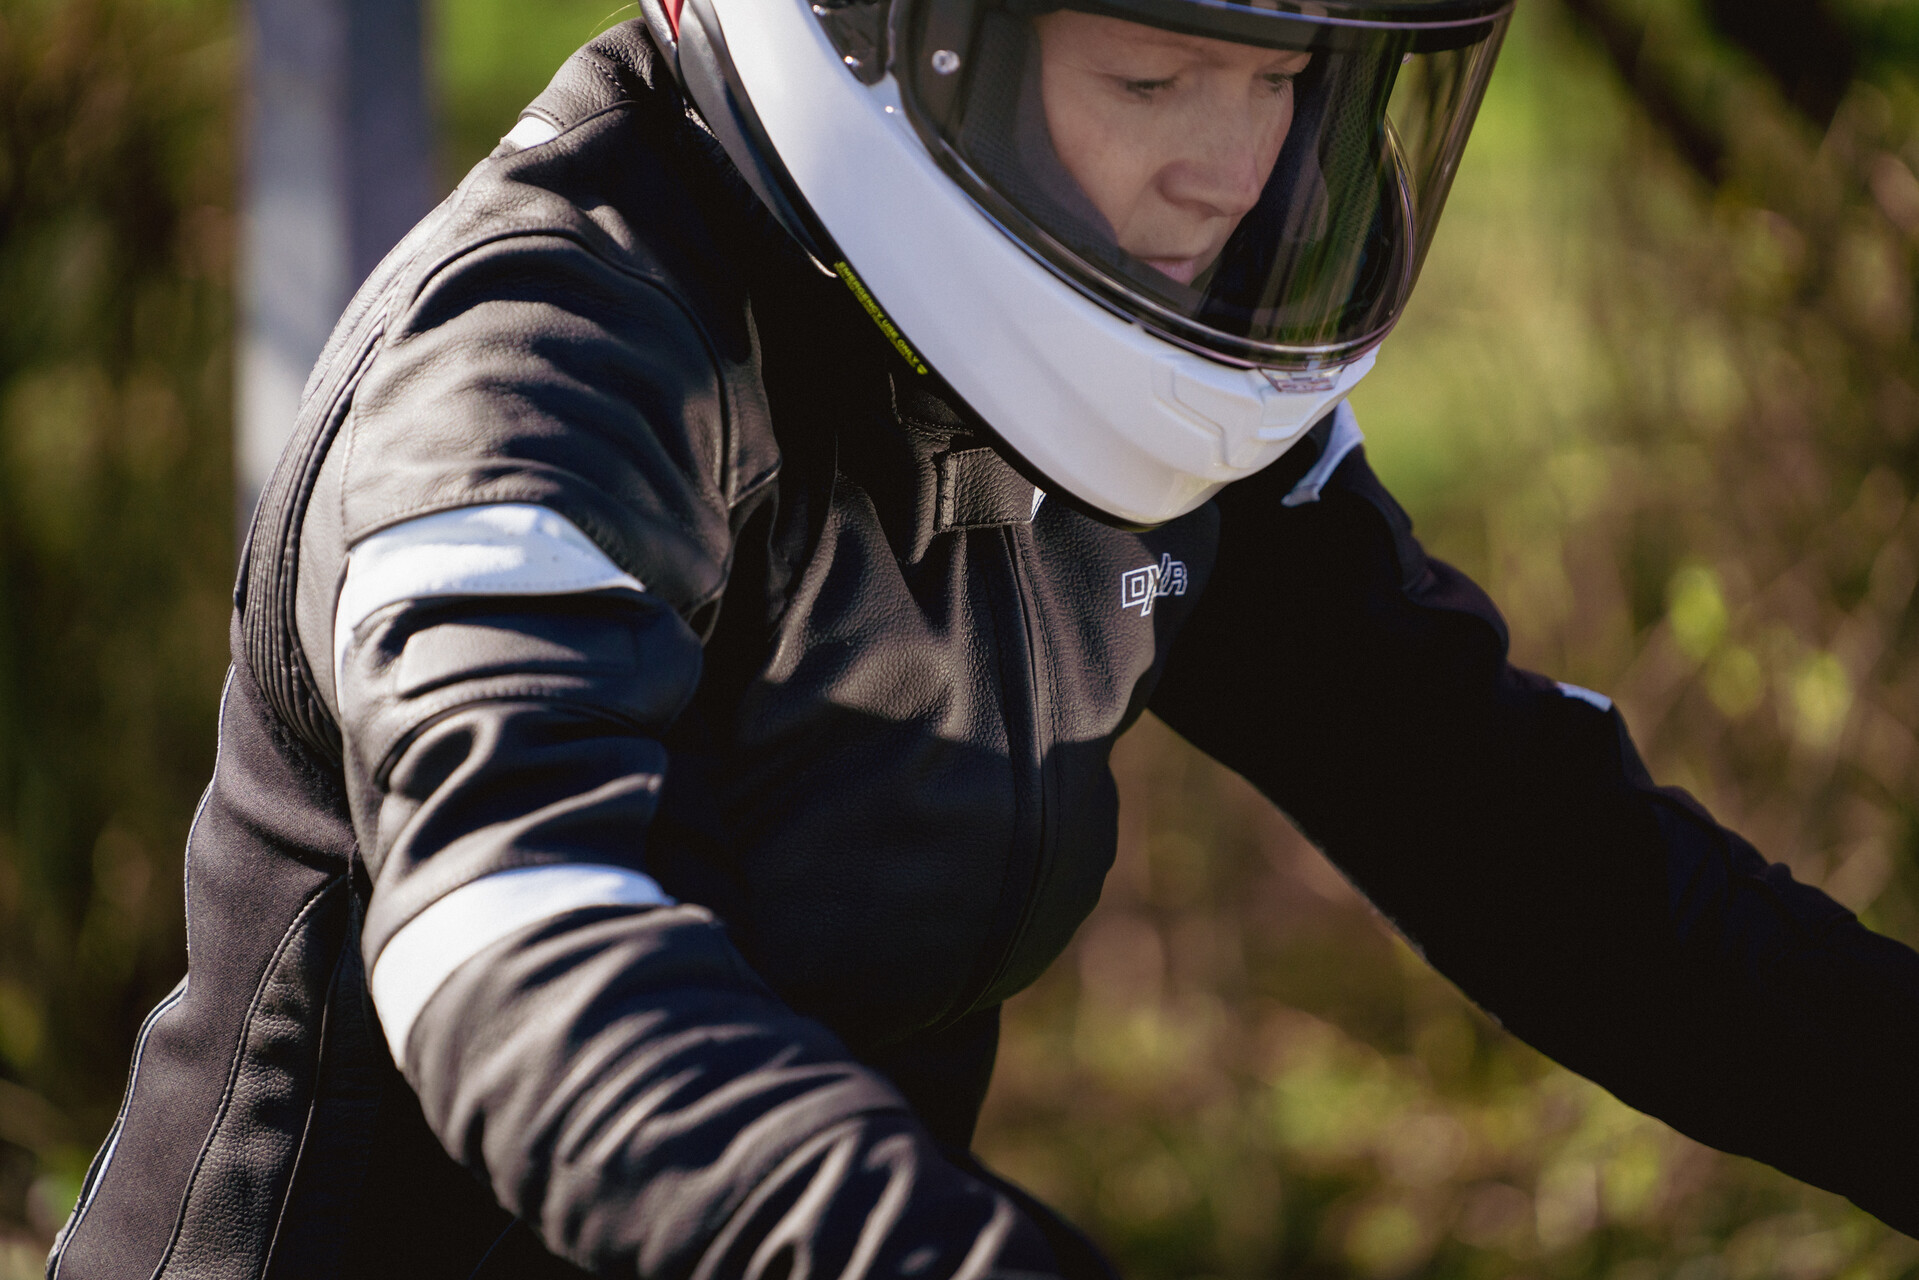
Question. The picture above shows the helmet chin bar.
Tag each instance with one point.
(1093, 408)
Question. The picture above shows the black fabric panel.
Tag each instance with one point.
(270, 838)
(517, 1254)
(420, 1216)
(1513, 834)
(716, 1129)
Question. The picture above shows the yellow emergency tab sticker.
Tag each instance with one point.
(887, 327)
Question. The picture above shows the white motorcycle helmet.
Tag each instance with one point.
(1149, 242)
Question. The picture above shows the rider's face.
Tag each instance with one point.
(1172, 137)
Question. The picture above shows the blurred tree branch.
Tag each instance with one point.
(1775, 96)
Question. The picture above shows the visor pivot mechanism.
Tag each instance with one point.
(1303, 381)
(944, 61)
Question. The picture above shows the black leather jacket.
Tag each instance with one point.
(879, 675)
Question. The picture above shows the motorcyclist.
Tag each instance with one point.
(676, 661)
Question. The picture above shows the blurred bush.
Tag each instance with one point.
(116, 533)
(1657, 392)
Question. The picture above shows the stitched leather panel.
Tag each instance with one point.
(233, 1204)
(978, 490)
(270, 838)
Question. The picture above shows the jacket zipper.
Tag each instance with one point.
(1040, 717)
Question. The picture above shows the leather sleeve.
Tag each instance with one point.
(1510, 831)
(598, 1054)
(613, 1070)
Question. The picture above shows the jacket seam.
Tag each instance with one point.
(306, 1127)
(90, 1188)
(651, 280)
(233, 1072)
(1036, 657)
(524, 694)
(291, 548)
(96, 1177)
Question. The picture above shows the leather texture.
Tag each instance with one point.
(882, 690)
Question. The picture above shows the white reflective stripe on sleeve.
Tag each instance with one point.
(510, 549)
(531, 131)
(1599, 700)
(1346, 437)
(429, 947)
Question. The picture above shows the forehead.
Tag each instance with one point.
(1096, 35)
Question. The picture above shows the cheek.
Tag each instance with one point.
(1281, 125)
(1099, 147)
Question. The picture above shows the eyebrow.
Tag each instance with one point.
(1156, 38)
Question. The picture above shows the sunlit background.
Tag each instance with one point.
(1658, 392)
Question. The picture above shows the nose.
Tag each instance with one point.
(1224, 168)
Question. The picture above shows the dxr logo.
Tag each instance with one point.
(1138, 588)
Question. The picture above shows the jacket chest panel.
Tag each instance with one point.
(914, 796)
(1102, 607)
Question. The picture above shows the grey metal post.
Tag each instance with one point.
(338, 167)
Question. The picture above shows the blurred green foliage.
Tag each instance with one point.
(115, 545)
(493, 57)
(1657, 392)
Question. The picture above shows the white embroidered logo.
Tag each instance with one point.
(1138, 588)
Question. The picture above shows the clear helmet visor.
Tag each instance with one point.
(1259, 184)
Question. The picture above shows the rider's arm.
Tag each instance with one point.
(599, 1054)
(1506, 825)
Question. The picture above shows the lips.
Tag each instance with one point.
(1180, 269)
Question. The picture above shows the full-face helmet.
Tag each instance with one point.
(1149, 242)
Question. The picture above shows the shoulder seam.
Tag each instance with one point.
(663, 288)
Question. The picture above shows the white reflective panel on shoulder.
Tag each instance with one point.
(510, 549)
(1346, 437)
(1587, 696)
(429, 947)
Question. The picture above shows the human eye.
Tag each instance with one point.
(1147, 89)
(1278, 82)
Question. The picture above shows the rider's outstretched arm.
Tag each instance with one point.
(1506, 825)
